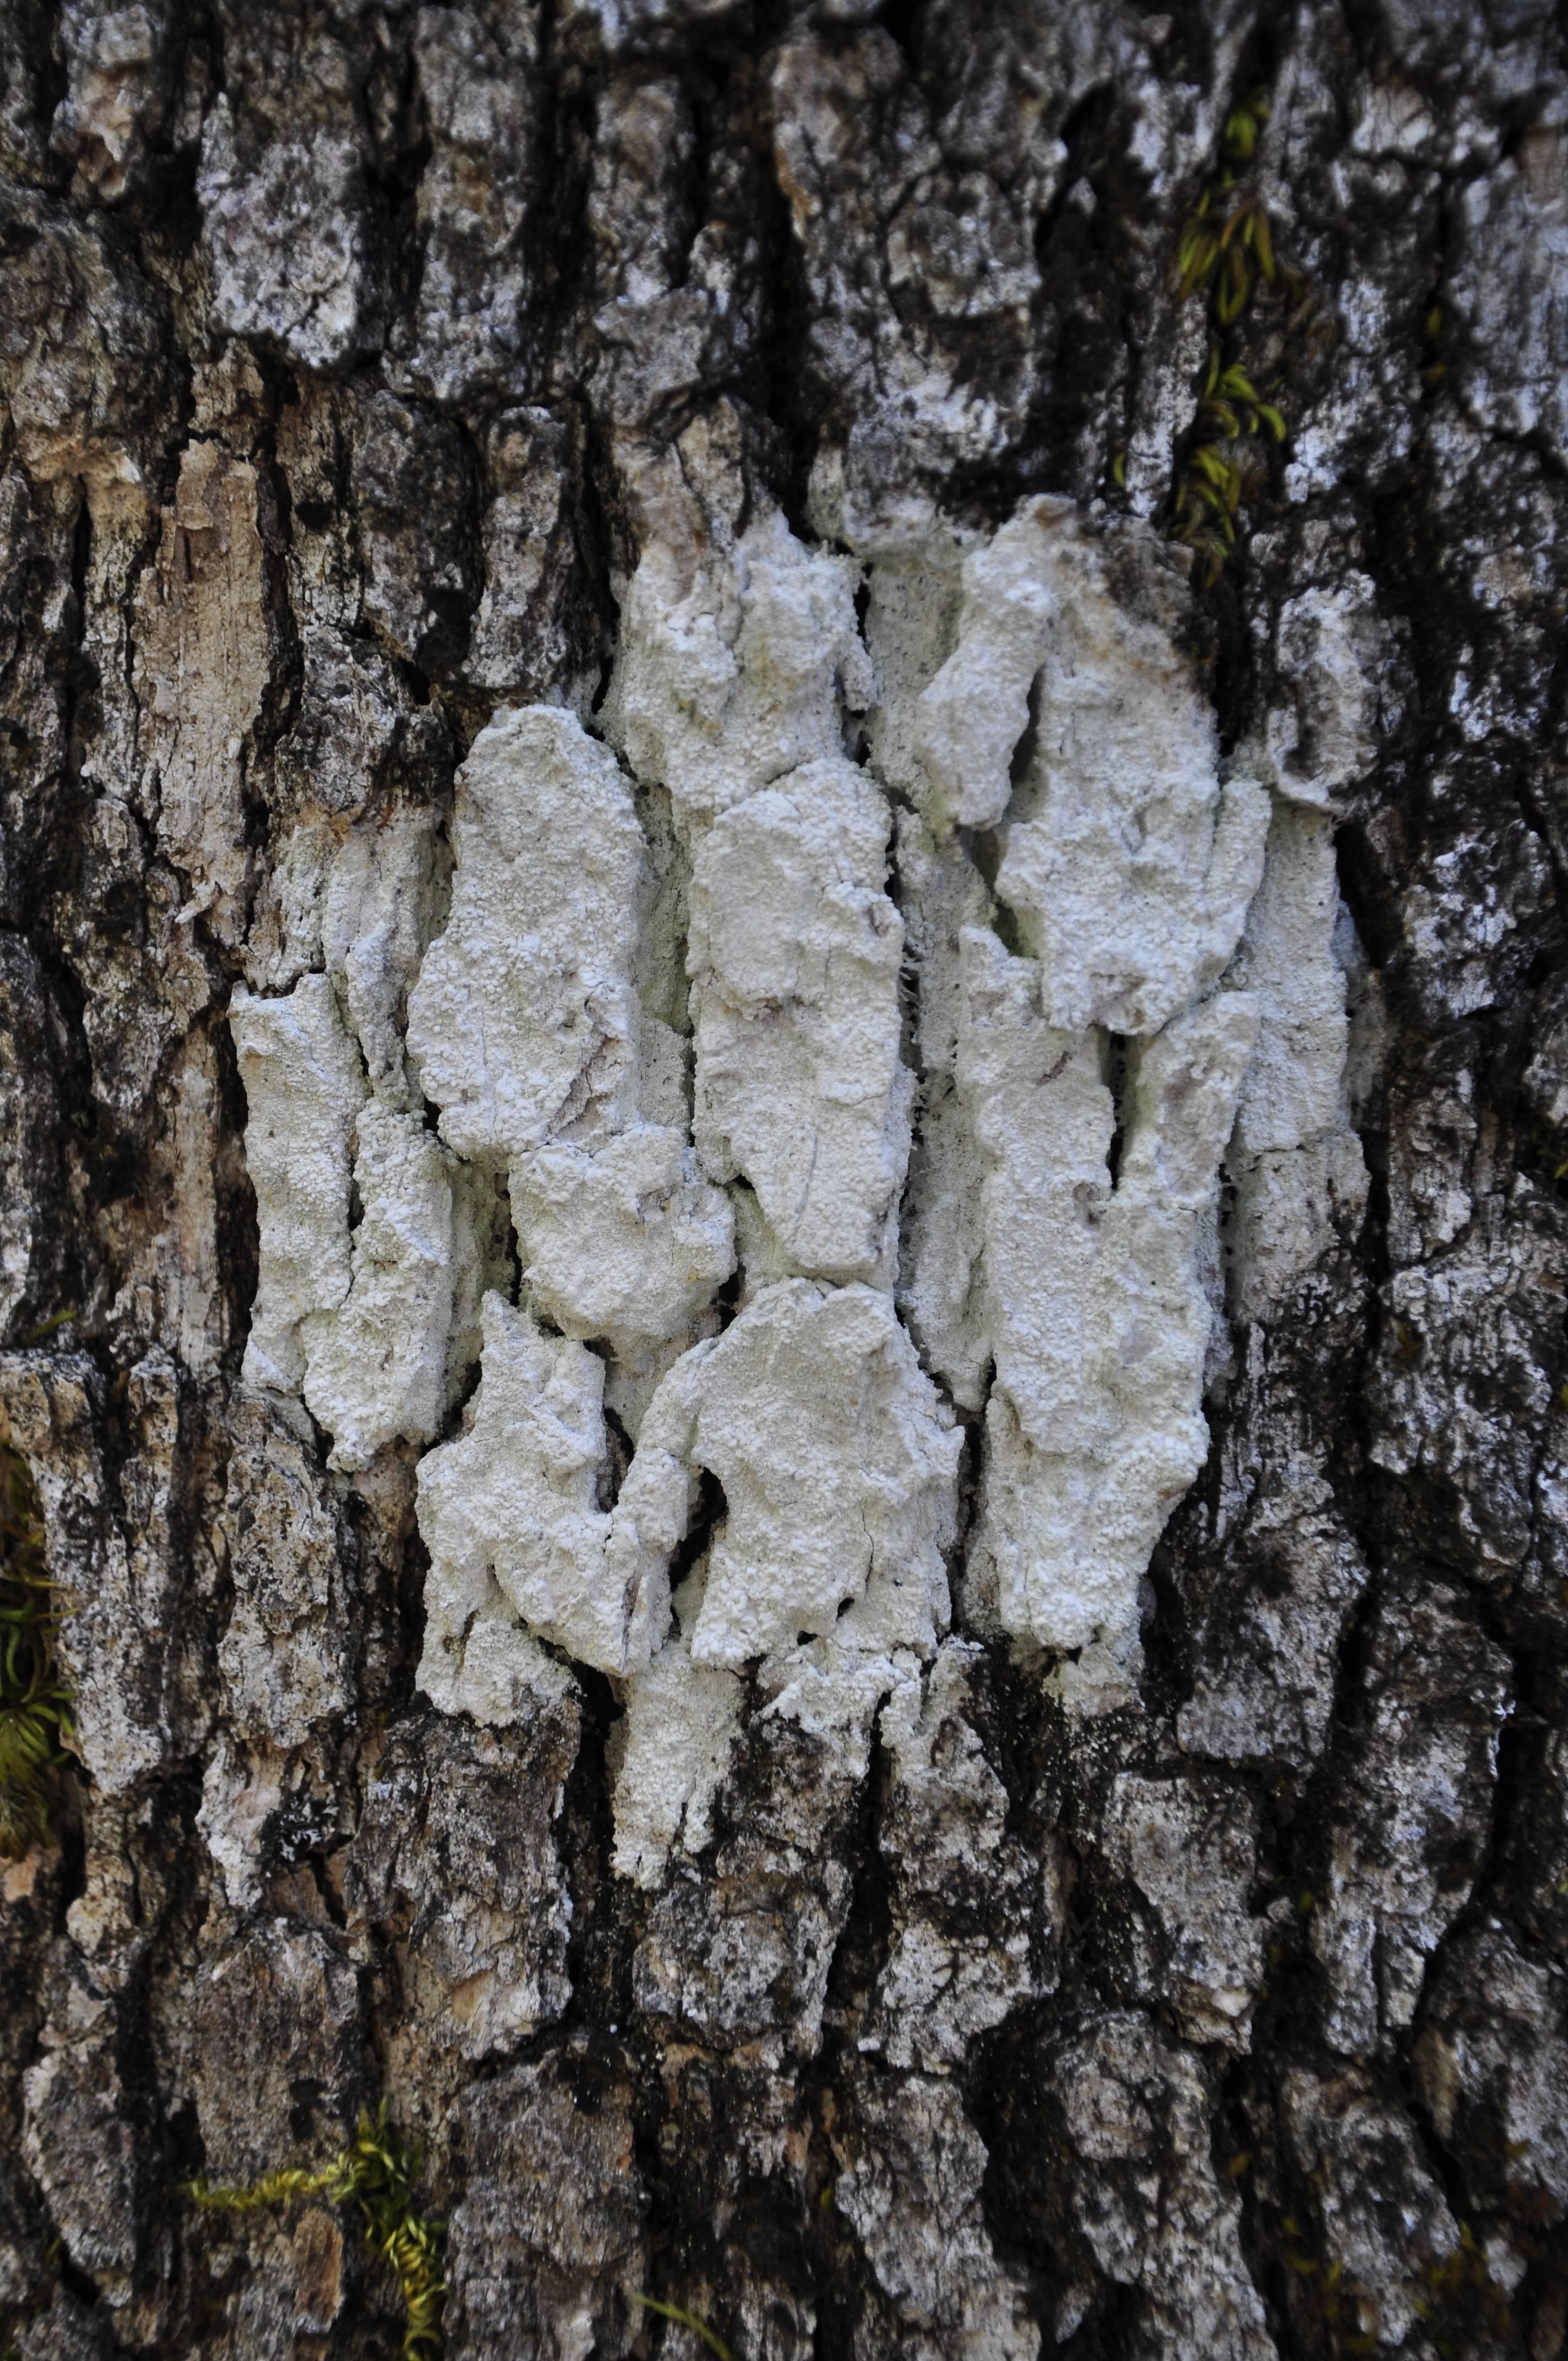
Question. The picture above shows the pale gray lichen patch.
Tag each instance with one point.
(305, 1087)
(794, 958)
(1034, 684)
(522, 1020)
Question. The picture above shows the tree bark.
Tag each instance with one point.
(783, 1094)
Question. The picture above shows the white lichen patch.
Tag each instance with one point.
(523, 1021)
(1060, 706)
(511, 1513)
(794, 959)
(1057, 704)
(378, 909)
(681, 1721)
(377, 1367)
(914, 597)
(482, 1261)
(837, 1464)
(1295, 1082)
(493, 1670)
(359, 1320)
(1127, 866)
(974, 711)
(731, 663)
(304, 1087)
(676, 1018)
(1095, 1300)
(625, 1242)
(1295, 1159)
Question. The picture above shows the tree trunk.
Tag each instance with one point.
(785, 1056)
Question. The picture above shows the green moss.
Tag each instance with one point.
(377, 2172)
(684, 2319)
(1335, 2300)
(35, 1725)
(1461, 2301)
(1230, 256)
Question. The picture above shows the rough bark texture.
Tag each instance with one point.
(1099, 1961)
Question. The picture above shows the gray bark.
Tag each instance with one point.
(355, 358)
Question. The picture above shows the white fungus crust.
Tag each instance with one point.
(1126, 863)
(523, 1021)
(512, 1506)
(1094, 1296)
(837, 1459)
(1043, 1259)
(377, 1367)
(794, 959)
(303, 1088)
(625, 1241)
(731, 670)
(681, 1720)
(1294, 1160)
(376, 922)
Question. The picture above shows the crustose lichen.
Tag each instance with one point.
(378, 2172)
